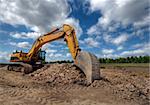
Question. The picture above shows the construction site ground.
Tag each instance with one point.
(64, 84)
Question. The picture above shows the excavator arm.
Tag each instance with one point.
(43, 40)
(66, 32)
(86, 61)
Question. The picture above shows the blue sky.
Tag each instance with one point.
(107, 28)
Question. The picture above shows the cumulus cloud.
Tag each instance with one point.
(144, 50)
(110, 56)
(107, 51)
(93, 30)
(138, 45)
(48, 46)
(51, 51)
(55, 55)
(142, 23)
(139, 50)
(39, 16)
(117, 14)
(120, 48)
(91, 42)
(26, 35)
(25, 45)
(125, 11)
(117, 40)
(120, 39)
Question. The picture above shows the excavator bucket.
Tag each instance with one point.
(89, 64)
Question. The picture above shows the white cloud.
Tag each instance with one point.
(93, 30)
(75, 23)
(55, 55)
(68, 55)
(26, 35)
(110, 56)
(4, 56)
(125, 11)
(111, 29)
(107, 51)
(141, 45)
(138, 45)
(58, 55)
(51, 51)
(25, 45)
(91, 42)
(107, 38)
(120, 39)
(51, 55)
(39, 16)
(140, 51)
(47, 46)
(71, 21)
(142, 23)
(133, 53)
(120, 48)
(121, 13)
(117, 40)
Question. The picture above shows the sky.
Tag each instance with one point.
(106, 28)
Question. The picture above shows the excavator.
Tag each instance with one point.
(26, 62)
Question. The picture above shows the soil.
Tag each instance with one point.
(64, 84)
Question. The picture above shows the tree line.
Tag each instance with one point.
(132, 59)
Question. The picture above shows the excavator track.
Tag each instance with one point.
(27, 68)
(18, 67)
(89, 64)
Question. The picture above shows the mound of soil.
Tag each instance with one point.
(59, 74)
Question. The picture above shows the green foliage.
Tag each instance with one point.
(132, 59)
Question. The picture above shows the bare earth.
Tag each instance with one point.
(64, 84)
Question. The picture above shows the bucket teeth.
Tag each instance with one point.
(89, 64)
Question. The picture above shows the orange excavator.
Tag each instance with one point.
(86, 61)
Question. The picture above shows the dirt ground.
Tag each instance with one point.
(64, 84)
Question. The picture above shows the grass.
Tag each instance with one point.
(125, 65)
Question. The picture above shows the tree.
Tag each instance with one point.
(132, 59)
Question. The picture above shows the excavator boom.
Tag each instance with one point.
(86, 61)
(66, 32)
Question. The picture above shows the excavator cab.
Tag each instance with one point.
(41, 56)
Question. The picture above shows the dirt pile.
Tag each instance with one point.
(59, 74)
